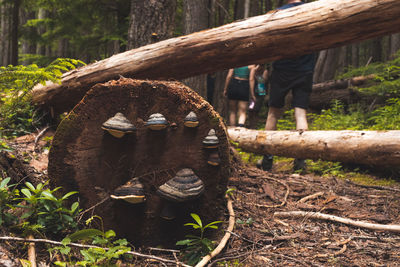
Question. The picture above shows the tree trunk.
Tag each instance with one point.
(14, 32)
(376, 148)
(376, 50)
(196, 19)
(150, 22)
(85, 158)
(312, 27)
(355, 51)
(41, 48)
(394, 44)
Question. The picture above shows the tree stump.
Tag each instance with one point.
(88, 159)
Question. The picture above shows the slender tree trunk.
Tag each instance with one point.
(14, 32)
(223, 11)
(376, 50)
(246, 9)
(394, 44)
(196, 19)
(319, 66)
(355, 61)
(27, 47)
(150, 21)
(329, 65)
(41, 48)
(4, 33)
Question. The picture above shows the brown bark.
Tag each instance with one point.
(150, 22)
(196, 19)
(314, 26)
(87, 159)
(14, 32)
(394, 44)
(376, 148)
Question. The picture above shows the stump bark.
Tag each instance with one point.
(85, 158)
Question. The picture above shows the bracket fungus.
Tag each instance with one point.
(156, 122)
(131, 192)
(214, 159)
(118, 126)
(185, 186)
(211, 140)
(191, 120)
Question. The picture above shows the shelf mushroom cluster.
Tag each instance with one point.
(211, 143)
(185, 186)
(119, 125)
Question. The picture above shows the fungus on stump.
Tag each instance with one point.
(86, 158)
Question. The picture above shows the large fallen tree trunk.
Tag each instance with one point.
(378, 148)
(312, 27)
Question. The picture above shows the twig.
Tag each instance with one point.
(164, 250)
(239, 255)
(40, 134)
(284, 198)
(224, 239)
(32, 252)
(316, 195)
(321, 216)
(56, 243)
(93, 207)
(380, 187)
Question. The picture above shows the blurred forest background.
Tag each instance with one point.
(40, 31)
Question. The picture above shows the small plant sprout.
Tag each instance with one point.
(197, 246)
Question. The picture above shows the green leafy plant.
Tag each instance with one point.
(387, 117)
(105, 253)
(7, 193)
(197, 246)
(45, 212)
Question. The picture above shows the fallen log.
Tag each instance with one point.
(376, 148)
(312, 27)
(343, 90)
(343, 83)
(85, 157)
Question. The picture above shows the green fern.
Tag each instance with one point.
(17, 115)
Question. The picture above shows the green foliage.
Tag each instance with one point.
(46, 212)
(7, 193)
(387, 77)
(387, 117)
(106, 252)
(337, 118)
(17, 115)
(287, 122)
(197, 246)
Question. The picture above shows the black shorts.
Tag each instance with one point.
(283, 81)
(239, 90)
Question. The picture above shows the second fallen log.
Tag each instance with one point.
(376, 148)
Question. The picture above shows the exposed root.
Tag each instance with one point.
(224, 239)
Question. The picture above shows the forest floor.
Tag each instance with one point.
(261, 238)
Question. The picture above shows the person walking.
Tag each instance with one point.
(295, 75)
(239, 86)
(260, 88)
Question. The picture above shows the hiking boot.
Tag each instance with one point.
(299, 165)
(265, 163)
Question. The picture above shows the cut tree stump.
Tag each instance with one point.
(312, 27)
(85, 158)
(374, 148)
